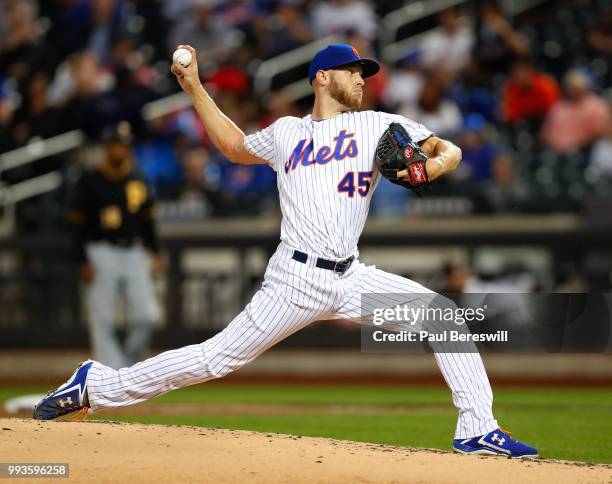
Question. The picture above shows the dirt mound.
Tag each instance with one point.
(119, 452)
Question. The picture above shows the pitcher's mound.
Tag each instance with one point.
(119, 452)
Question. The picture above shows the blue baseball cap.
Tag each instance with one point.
(339, 55)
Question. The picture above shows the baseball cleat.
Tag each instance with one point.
(497, 442)
(69, 401)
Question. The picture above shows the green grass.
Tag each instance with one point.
(564, 423)
(10, 392)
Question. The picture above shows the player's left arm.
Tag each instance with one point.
(444, 156)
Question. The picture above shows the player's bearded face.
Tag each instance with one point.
(345, 91)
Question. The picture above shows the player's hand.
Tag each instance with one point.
(158, 264)
(87, 273)
(187, 77)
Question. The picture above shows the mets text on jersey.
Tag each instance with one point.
(301, 153)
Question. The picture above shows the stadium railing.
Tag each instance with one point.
(270, 68)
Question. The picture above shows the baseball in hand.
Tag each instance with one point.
(181, 57)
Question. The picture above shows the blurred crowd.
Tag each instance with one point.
(524, 96)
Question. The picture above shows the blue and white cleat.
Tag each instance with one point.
(497, 442)
(69, 401)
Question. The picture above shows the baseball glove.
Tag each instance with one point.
(396, 152)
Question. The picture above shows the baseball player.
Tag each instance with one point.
(111, 211)
(326, 173)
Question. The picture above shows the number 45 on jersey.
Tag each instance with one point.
(347, 184)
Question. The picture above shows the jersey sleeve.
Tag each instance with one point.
(262, 144)
(417, 131)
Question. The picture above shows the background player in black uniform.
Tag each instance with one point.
(111, 210)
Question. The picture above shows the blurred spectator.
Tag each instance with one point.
(107, 18)
(35, 118)
(158, 163)
(125, 52)
(405, 83)
(92, 25)
(175, 9)
(574, 123)
(240, 14)
(231, 79)
(205, 30)
(285, 30)
(478, 154)
(506, 192)
(202, 180)
(459, 278)
(247, 189)
(155, 26)
(94, 110)
(85, 81)
(598, 41)
(185, 123)
(528, 94)
(440, 114)
(497, 43)
(238, 110)
(7, 111)
(20, 46)
(599, 36)
(78, 78)
(277, 105)
(340, 16)
(456, 276)
(473, 95)
(601, 155)
(448, 47)
(69, 30)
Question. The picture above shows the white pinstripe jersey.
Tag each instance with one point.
(326, 175)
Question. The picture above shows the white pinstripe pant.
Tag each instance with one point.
(292, 296)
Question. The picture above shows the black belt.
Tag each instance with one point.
(340, 266)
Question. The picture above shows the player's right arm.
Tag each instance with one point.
(223, 132)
